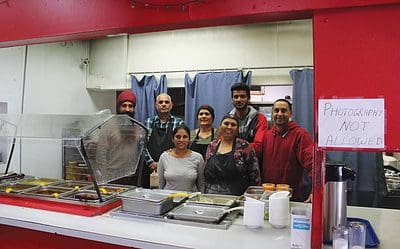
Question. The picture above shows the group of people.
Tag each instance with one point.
(241, 152)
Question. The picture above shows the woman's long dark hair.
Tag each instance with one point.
(182, 126)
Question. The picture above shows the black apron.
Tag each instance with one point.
(201, 148)
(160, 140)
(221, 169)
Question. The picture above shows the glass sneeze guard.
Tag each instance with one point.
(110, 145)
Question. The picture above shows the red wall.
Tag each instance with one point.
(39, 21)
(356, 54)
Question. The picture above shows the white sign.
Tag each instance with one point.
(351, 123)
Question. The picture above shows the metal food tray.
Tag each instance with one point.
(255, 192)
(214, 199)
(223, 225)
(84, 195)
(47, 191)
(11, 187)
(178, 196)
(39, 181)
(198, 213)
(146, 201)
(112, 188)
(72, 184)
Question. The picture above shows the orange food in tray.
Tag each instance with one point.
(282, 187)
(268, 186)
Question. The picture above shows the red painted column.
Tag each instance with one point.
(356, 54)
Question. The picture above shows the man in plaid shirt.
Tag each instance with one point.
(160, 130)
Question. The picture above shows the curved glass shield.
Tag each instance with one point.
(113, 149)
(32, 143)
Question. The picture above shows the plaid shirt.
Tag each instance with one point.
(174, 121)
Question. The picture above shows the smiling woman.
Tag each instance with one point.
(232, 165)
(203, 136)
(181, 168)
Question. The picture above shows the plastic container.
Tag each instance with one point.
(371, 239)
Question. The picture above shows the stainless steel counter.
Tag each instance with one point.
(142, 233)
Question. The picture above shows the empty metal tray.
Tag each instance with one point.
(146, 201)
(198, 213)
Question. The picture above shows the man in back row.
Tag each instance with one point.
(287, 150)
(160, 129)
(252, 124)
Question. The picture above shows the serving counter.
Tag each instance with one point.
(107, 231)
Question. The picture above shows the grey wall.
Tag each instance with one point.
(55, 83)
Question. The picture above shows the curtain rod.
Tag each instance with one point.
(221, 69)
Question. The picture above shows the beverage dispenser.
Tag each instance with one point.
(335, 210)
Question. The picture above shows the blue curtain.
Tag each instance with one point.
(303, 98)
(214, 89)
(146, 91)
(303, 109)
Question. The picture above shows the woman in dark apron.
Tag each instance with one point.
(202, 136)
(232, 165)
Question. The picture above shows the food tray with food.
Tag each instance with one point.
(39, 181)
(47, 191)
(85, 195)
(270, 188)
(178, 196)
(14, 187)
(72, 184)
(112, 188)
(214, 199)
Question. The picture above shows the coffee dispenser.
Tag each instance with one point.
(335, 211)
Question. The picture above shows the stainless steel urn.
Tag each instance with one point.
(335, 211)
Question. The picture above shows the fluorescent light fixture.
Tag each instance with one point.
(120, 34)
